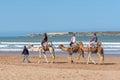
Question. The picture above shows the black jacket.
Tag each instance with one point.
(25, 51)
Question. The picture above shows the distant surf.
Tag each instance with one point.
(110, 44)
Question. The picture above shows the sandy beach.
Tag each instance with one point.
(11, 68)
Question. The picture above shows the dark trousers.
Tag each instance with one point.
(71, 44)
(42, 43)
(25, 58)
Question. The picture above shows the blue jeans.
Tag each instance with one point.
(42, 43)
(25, 58)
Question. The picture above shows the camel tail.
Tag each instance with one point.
(54, 53)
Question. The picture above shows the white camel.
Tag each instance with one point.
(42, 51)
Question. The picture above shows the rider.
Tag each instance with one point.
(73, 40)
(44, 40)
(93, 40)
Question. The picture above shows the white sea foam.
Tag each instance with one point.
(17, 46)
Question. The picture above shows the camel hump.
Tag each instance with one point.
(48, 44)
(75, 45)
(96, 45)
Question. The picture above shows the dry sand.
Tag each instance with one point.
(11, 68)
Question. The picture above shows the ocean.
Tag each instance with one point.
(111, 44)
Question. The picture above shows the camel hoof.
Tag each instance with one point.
(95, 63)
(87, 63)
(53, 62)
(39, 62)
(72, 61)
(101, 63)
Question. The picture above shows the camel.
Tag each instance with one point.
(70, 51)
(98, 50)
(42, 51)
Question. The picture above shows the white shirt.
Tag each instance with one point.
(73, 39)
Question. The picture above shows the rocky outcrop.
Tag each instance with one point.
(79, 34)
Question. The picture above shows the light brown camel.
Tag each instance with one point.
(42, 51)
(98, 50)
(70, 51)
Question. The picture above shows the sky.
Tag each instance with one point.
(22, 17)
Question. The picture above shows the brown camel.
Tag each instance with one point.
(70, 51)
(42, 51)
(98, 50)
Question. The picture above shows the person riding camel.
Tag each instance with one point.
(44, 43)
(72, 41)
(93, 40)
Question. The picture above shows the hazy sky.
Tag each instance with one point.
(21, 17)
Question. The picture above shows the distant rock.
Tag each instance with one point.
(32, 35)
(78, 34)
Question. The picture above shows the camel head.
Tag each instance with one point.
(99, 44)
(30, 45)
(61, 45)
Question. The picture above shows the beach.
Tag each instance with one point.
(12, 68)
(64, 29)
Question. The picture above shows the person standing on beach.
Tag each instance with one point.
(93, 40)
(73, 40)
(44, 40)
(25, 54)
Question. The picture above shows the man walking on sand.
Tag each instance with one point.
(25, 54)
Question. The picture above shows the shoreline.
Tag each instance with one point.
(58, 53)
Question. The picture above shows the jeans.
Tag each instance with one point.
(25, 58)
(42, 43)
(92, 44)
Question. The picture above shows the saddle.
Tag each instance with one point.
(74, 47)
(46, 45)
(93, 45)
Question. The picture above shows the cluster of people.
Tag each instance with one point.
(92, 42)
(44, 43)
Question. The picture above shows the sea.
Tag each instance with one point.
(111, 44)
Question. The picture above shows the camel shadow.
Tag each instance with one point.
(80, 62)
(108, 64)
(96, 63)
(60, 62)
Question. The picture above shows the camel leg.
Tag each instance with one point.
(45, 57)
(70, 58)
(53, 57)
(51, 50)
(40, 55)
(88, 60)
(92, 59)
(101, 58)
(79, 55)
